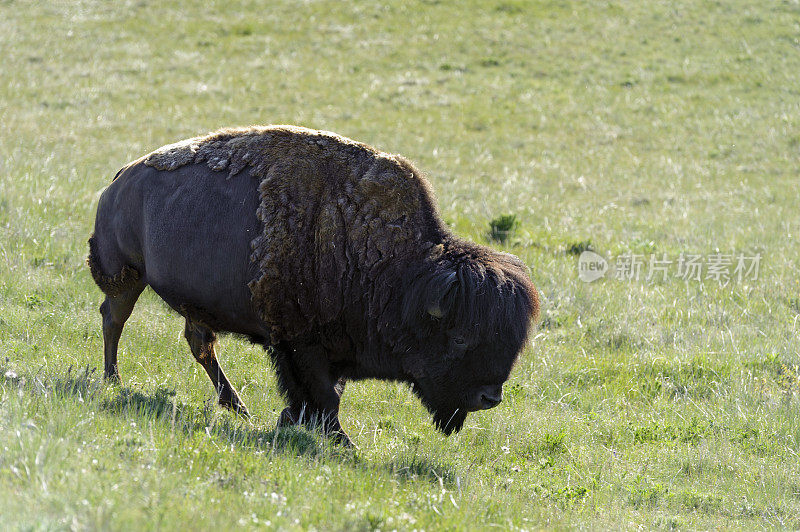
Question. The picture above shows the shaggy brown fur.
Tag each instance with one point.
(334, 212)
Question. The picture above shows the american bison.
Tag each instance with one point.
(326, 251)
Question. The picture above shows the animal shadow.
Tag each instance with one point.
(160, 405)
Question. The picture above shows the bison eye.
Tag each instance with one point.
(459, 341)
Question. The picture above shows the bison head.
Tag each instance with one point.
(465, 316)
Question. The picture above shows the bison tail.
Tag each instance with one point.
(111, 285)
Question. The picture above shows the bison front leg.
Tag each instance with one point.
(312, 390)
(201, 340)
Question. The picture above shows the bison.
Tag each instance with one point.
(329, 253)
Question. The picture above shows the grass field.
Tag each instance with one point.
(642, 128)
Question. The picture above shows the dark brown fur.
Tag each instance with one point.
(353, 273)
(111, 285)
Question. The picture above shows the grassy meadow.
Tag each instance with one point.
(626, 127)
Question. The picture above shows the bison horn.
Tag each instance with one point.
(447, 286)
(436, 311)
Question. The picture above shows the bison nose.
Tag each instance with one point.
(492, 398)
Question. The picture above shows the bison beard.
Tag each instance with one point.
(446, 420)
(325, 250)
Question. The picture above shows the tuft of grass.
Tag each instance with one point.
(698, 501)
(503, 227)
(683, 431)
(420, 468)
(789, 378)
(545, 452)
(644, 494)
(576, 248)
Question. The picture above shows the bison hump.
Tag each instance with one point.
(173, 156)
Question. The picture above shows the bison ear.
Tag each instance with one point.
(442, 296)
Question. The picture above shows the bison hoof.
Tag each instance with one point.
(340, 437)
(331, 429)
(286, 418)
(239, 408)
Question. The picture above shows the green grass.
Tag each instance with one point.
(620, 127)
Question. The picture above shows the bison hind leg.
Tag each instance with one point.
(115, 311)
(202, 340)
(122, 289)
